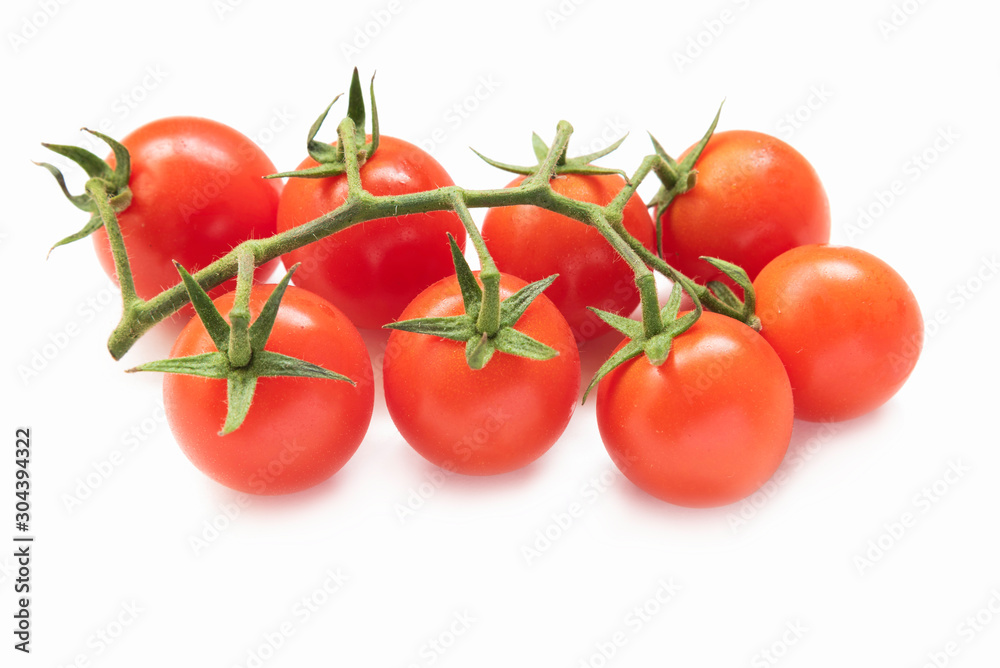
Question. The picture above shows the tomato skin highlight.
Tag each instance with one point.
(706, 428)
(846, 326)
(197, 191)
(493, 420)
(755, 197)
(299, 431)
(372, 270)
(533, 243)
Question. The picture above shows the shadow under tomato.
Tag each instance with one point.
(471, 484)
(593, 354)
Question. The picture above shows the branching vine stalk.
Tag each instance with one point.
(487, 325)
(360, 206)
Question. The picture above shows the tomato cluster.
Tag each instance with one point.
(835, 333)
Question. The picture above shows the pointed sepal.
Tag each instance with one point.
(119, 194)
(512, 308)
(331, 156)
(240, 387)
(511, 341)
(578, 165)
(206, 365)
(629, 350)
(456, 328)
(746, 307)
(93, 224)
(260, 330)
(215, 324)
(267, 364)
(472, 293)
(684, 175)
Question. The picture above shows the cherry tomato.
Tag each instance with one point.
(197, 191)
(496, 419)
(299, 431)
(845, 324)
(533, 243)
(755, 198)
(706, 428)
(372, 270)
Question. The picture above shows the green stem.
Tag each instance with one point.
(347, 134)
(625, 194)
(705, 296)
(488, 321)
(98, 191)
(361, 206)
(547, 168)
(240, 350)
(652, 323)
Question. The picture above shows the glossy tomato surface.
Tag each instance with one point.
(372, 270)
(299, 431)
(706, 428)
(755, 197)
(197, 191)
(532, 243)
(845, 324)
(492, 420)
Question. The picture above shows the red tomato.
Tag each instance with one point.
(532, 243)
(706, 428)
(755, 198)
(372, 270)
(845, 324)
(299, 431)
(197, 191)
(496, 419)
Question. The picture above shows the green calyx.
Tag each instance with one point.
(240, 357)
(563, 165)
(677, 178)
(487, 326)
(113, 182)
(330, 157)
(656, 346)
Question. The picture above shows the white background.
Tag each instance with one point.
(809, 572)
